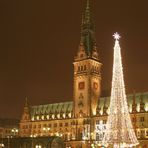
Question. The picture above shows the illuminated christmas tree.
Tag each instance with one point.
(119, 130)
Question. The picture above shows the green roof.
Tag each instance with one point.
(64, 107)
(67, 107)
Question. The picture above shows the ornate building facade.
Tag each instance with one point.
(81, 122)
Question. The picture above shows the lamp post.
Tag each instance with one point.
(32, 136)
(46, 130)
(1, 145)
(8, 141)
(38, 146)
(14, 131)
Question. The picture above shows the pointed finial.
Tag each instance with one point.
(26, 101)
(87, 4)
(116, 36)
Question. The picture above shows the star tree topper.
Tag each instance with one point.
(116, 36)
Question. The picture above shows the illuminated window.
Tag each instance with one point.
(42, 117)
(53, 116)
(69, 115)
(58, 116)
(64, 115)
(47, 116)
(37, 118)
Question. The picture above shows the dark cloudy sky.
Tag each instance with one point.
(39, 39)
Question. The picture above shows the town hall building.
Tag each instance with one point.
(81, 121)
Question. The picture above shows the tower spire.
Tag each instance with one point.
(87, 39)
(87, 4)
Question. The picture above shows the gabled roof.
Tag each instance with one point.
(63, 107)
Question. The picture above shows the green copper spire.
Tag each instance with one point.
(87, 30)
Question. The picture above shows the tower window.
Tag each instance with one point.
(81, 68)
(84, 67)
(81, 85)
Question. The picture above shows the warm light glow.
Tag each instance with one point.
(119, 130)
(47, 116)
(138, 107)
(64, 115)
(116, 36)
(146, 107)
(37, 118)
(58, 116)
(43, 117)
(14, 130)
(69, 115)
(53, 116)
(32, 118)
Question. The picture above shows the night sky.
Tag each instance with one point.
(39, 39)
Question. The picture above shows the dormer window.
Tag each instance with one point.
(42, 117)
(53, 116)
(37, 117)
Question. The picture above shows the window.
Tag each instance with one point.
(34, 126)
(60, 124)
(78, 68)
(49, 125)
(81, 85)
(81, 68)
(141, 119)
(66, 124)
(45, 125)
(104, 121)
(97, 122)
(55, 124)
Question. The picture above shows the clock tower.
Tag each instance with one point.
(87, 70)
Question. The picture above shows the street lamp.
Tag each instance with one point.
(32, 144)
(38, 146)
(1, 145)
(14, 131)
(46, 130)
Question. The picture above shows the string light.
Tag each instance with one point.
(119, 130)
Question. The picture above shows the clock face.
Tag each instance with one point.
(81, 85)
(95, 85)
